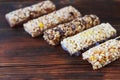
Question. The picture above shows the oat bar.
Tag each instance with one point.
(85, 39)
(54, 35)
(103, 54)
(24, 14)
(36, 27)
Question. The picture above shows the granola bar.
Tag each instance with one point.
(24, 14)
(37, 26)
(103, 54)
(85, 39)
(54, 35)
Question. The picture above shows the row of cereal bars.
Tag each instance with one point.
(65, 26)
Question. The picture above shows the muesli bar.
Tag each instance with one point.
(37, 26)
(24, 14)
(54, 35)
(81, 41)
(103, 54)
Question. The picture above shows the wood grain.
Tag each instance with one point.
(26, 58)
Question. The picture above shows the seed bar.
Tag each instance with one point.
(22, 15)
(78, 43)
(54, 35)
(37, 26)
(103, 54)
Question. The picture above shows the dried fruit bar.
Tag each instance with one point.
(54, 35)
(87, 38)
(103, 54)
(37, 26)
(24, 14)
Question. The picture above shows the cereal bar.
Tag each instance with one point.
(22, 15)
(54, 35)
(85, 39)
(103, 54)
(37, 26)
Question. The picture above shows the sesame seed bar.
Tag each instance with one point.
(37, 26)
(54, 35)
(103, 54)
(77, 43)
(22, 15)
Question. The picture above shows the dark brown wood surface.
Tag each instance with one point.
(26, 58)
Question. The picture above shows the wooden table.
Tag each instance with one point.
(26, 58)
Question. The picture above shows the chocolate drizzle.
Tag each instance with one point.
(60, 31)
(72, 13)
(73, 26)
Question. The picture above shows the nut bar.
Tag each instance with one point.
(37, 26)
(54, 35)
(81, 41)
(103, 54)
(22, 15)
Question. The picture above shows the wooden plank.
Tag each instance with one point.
(26, 58)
